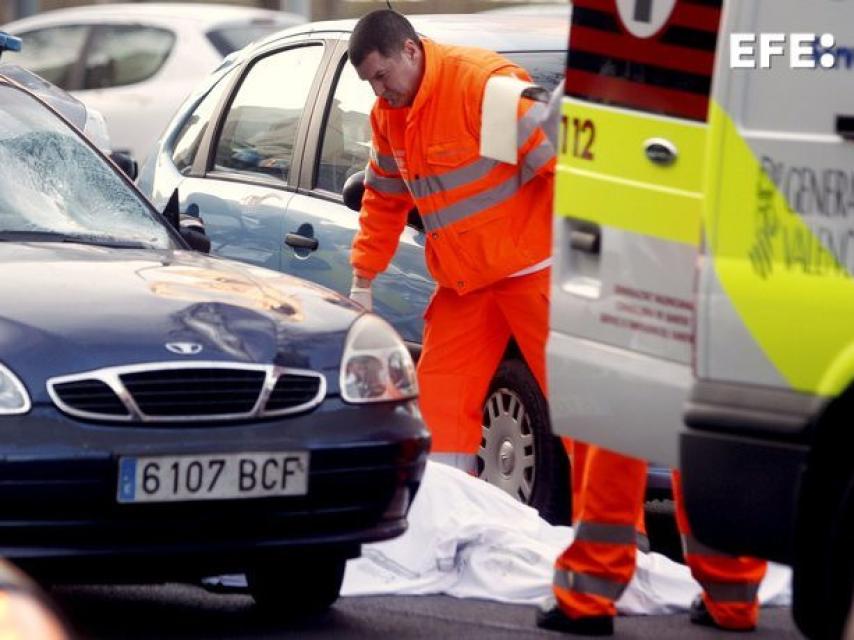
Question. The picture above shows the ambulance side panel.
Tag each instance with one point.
(775, 338)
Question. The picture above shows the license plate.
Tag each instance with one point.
(213, 477)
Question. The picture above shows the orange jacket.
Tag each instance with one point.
(484, 219)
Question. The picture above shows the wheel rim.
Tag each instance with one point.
(506, 455)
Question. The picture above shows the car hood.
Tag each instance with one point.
(69, 308)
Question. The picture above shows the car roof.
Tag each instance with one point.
(497, 32)
(561, 9)
(204, 15)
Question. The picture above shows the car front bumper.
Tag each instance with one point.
(60, 518)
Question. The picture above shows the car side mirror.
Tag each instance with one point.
(354, 189)
(189, 225)
(126, 163)
(192, 229)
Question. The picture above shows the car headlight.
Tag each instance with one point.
(13, 395)
(376, 365)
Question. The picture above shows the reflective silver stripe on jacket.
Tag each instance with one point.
(472, 205)
(384, 162)
(603, 532)
(480, 168)
(731, 591)
(383, 184)
(642, 542)
(592, 585)
(533, 118)
(536, 159)
(692, 546)
(464, 175)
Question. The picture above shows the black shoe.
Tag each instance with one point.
(700, 616)
(556, 620)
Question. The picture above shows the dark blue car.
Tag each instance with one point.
(169, 415)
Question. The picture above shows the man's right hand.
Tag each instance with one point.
(360, 292)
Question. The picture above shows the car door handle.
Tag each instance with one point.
(584, 240)
(845, 127)
(297, 241)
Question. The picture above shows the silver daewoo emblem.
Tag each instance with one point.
(184, 348)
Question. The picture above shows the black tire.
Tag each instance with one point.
(298, 586)
(543, 483)
(823, 582)
(661, 529)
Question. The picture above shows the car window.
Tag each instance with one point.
(125, 54)
(190, 135)
(261, 126)
(347, 133)
(51, 182)
(547, 68)
(52, 52)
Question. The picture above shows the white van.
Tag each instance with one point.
(702, 293)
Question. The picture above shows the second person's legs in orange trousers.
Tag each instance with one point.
(592, 573)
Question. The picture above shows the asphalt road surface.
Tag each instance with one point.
(169, 611)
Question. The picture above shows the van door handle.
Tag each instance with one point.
(845, 127)
(297, 241)
(584, 240)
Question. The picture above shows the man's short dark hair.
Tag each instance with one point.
(384, 31)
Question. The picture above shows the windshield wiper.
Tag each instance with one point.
(55, 236)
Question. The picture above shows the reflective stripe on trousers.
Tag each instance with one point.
(717, 590)
(611, 533)
(588, 584)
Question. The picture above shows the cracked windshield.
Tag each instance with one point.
(54, 187)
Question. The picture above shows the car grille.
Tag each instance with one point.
(163, 392)
(92, 396)
(291, 391)
(188, 392)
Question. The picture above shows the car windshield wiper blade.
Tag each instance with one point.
(55, 236)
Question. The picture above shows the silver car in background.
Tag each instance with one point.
(135, 63)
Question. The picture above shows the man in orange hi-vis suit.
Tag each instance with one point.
(487, 221)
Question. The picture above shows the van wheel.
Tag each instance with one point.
(297, 586)
(823, 578)
(518, 452)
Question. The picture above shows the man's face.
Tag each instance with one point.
(396, 78)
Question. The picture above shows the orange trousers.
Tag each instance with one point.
(592, 573)
(465, 337)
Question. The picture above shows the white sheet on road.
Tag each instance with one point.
(469, 539)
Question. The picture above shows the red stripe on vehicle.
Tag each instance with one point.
(609, 6)
(695, 17)
(635, 95)
(647, 51)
